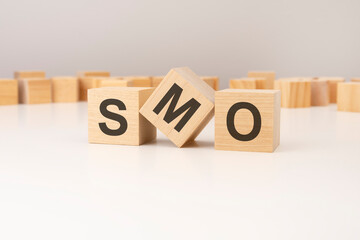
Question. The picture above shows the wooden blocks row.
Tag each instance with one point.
(180, 107)
(348, 98)
(248, 83)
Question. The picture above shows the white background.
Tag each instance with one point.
(54, 185)
(225, 38)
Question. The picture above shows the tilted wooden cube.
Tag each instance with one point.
(332, 86)
(114, 118)
(8, 92)
(65, 89)
(348, 97)
(247, 120)
(320, 92)
(269, 76)
(93, 74)
(29, 74)
(140, 81)
(180, 106)
(295, 92)
(212, 81)
(35, 90)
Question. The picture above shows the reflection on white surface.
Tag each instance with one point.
(54, 185)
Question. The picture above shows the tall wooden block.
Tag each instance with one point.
(269, 76)
(332, 86)
(140, 81)
(180, 106)
(319, 93)
(35, 90)
(93, 74)
(247, 120)
(111, 82)
(86, 83)
(114, 118)
(212, 81)
(348, 97)
(248, 83)
(29, 74)
(156, 80)
(295, 92)
(65, 89)
(8, 92)
(355, 79)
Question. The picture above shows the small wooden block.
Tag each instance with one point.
(9, 92)
(269, 76)
(156, 80)
(332, 85)
(295, 92)
(29, 74)
(212, 81)
(180, 106)
(247, 120)
(86, 83)
(114, 118)
(248, 83)
(319, 93)
(93, 74)
(348, 97)
(140, 81)
(355, 79)
(65, 89)
(35, 90)
(111, 82)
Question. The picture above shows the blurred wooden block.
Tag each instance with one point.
(332, 86)
(156, 80)
(93, 74)
(114, 118)
(248, 83)
(269, 76)
(29, 74)
(86, 83)
(114, 83)
(140, 81)
(212, 81)
(247, 120)
(65, 89)
(9, 92)
(319, 93)
(348, 97)
(355, 79)
(180, 106)
(295, 92)
(35, 90)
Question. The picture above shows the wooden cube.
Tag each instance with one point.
(332, 86)
(93, 74)
(35, 90)
(65, 89)
(319, 93)
(269, 76)
(113, 82)
(247, 120)
(180, 106)
(114, 118)
(295, 92)
(8, 92)
(86, 83)
(156, 80)
(348, 97)
(140, 81)
(29, 74)
(212, 81)
(248, 83)
(355, 79)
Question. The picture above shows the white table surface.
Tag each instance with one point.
(54, 185)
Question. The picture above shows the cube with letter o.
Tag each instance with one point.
(247, 120)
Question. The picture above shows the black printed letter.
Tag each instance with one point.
(113, 116)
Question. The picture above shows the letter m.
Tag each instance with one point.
(189, 107)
